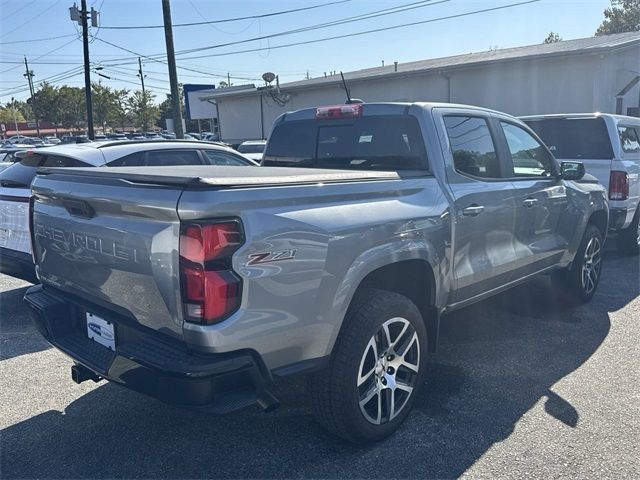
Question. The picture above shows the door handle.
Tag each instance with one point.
(473, 210)
(530, 202)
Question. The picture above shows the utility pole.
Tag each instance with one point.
(173, 75)
(144, 94)
(29, 74)
(81, 16)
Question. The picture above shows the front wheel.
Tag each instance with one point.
(580, 282)
(376, 370)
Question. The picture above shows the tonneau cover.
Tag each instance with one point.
(224, 176)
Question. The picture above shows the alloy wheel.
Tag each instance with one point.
(388, 371)
(591, 265)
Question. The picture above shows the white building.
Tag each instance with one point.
(585, 75)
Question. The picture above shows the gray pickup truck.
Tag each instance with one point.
(335, 259)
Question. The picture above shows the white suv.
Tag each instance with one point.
(15, 181)
(609, 147)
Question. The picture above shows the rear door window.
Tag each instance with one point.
(218, 157)
(389, 142)
(629, 139)
(472, 146)
(574, 138)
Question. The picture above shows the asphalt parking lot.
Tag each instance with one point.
(520, 388)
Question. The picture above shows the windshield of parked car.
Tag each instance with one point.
(574, 138)
(385, 142)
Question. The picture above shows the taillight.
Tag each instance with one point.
(339, 111)
(618, 185)
(211, 290)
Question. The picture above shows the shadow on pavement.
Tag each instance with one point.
(497, 360)
(17, 334)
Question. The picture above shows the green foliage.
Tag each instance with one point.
(116, 108)
(143, 110)
(553, 37)
(7, 115)
(622, 16)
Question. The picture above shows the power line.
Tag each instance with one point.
(164, 63)
(365, 32)
(33, 40)
(21, 8)
(4, 34)
(355, 18)
(264, 15)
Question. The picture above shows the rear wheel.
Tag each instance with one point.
(629, 238)
(579, 283)
(376, 370)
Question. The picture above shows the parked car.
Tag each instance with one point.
(116, 136)
(17, 139)
(254, 149)
(168, 135)
(199, 285)
(153, 136)
(15, 181)
(51, 140)
(609, 147)
(74, 139)
(195, 135)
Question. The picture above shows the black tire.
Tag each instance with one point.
(572, 285)
(628, 241)
(335, 392)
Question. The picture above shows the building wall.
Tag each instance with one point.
(576, 83)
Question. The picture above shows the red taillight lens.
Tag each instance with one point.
(618, 185)
(203, 243)
(210, 295)
(339, 111)
(211, 291)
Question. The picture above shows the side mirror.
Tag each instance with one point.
(572, 170)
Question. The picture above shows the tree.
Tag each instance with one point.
(622, 16)
(7, 114)
(120, 114)
(71, 106)
(553, 37)
(144, 112)
(105, 103)
(46, 103)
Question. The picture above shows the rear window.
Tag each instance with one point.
(574, 138)
(390, 142)
(20, 175)
(251, 148)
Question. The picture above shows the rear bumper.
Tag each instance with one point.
(147, 362)
(620, 218)
(17, 264)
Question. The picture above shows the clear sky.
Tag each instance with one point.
(29, 20)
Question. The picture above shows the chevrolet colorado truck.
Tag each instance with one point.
(335, 259)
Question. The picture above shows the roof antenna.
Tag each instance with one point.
(346, 89)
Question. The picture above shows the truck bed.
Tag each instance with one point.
(225, 176)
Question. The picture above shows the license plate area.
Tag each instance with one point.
(101, 331)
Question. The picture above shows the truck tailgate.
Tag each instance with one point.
(111, 242)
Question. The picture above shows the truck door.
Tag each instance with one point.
(483, 241)
(542, 229)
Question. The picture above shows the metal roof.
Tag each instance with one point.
(567, 47)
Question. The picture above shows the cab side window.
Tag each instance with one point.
(629, 139)
(530, 158)
(472, 146)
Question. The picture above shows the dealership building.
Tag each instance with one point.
(585, 75)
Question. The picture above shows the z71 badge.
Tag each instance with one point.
(271, 257)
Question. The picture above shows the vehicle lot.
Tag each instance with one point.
(521, 387)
